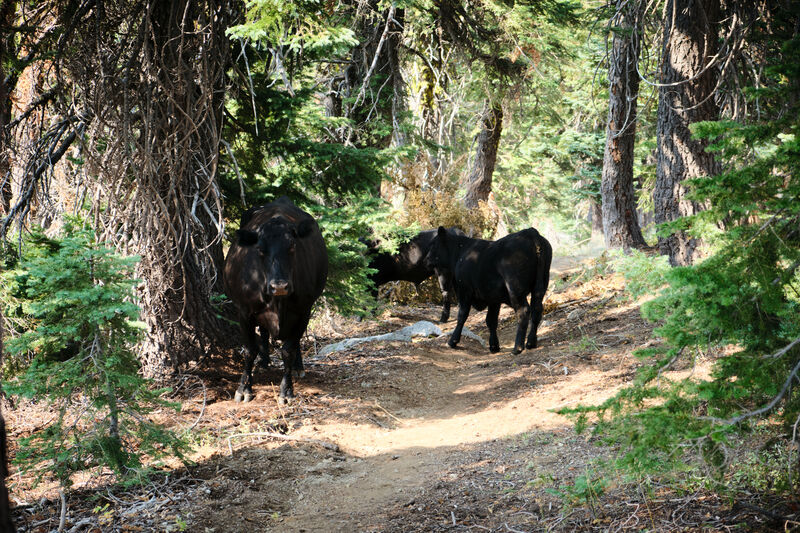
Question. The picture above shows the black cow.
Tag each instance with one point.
(274, 273)
(408, 264)
(487, 274)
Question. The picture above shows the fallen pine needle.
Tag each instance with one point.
(279, 436)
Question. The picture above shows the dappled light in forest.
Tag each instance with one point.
(388, 267)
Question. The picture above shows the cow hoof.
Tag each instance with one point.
(444, 318)
(494, 349)
(286, 400)
(530, 345)
(299, 373)
(516, 351)
(243, 397)
(452, 344)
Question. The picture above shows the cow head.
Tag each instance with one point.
(276, 243)
(438, 256)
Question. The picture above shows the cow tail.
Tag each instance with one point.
(544, 256)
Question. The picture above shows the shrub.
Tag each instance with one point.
(431, 209)
(78, 357)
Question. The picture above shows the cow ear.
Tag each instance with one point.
(442, 233)
(246, 237)
(304, 228)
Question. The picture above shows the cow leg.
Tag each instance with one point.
(536, 318)
(297, 367)
(287, 387)
(445, 285)
(523, 311)
(263, 360)
(463, 312)
(445, 307)
(293, 346)
(245, 390)
(492, 314)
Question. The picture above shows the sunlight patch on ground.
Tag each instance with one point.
(495, 421)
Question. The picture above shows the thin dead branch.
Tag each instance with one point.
(771, 405)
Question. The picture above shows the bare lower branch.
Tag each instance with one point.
(384, 36)
(53, 156)
(771, 405)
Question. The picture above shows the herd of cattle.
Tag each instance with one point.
(277, 268)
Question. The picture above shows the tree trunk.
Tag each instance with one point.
(154, 123)
(372, 82)
(596, 218)
(685, 97)
(183, 253)
(147, 110)
(6, 525)
(479, 181)
(7, 12)
(620, 223)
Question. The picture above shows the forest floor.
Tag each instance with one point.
(399, 436)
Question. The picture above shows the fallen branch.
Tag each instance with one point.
(63, 518)
(279, 436)
(571, 302)
(423, 328)
(387, 412)
(80, 524)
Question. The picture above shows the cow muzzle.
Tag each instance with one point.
(278, 288)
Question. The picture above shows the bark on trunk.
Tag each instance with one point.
(185, 122)
(152, 124)
(479, 181)
(7, 11)
(620, 224)
(6, 525)
(686, 97)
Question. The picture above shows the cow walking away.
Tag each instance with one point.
(487, 274)
(274, 272)
(408, 264)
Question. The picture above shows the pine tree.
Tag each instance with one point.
(80, 358)
(619, 213)
(685, 96)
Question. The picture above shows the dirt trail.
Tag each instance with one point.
(463, 407)
(409, 417)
